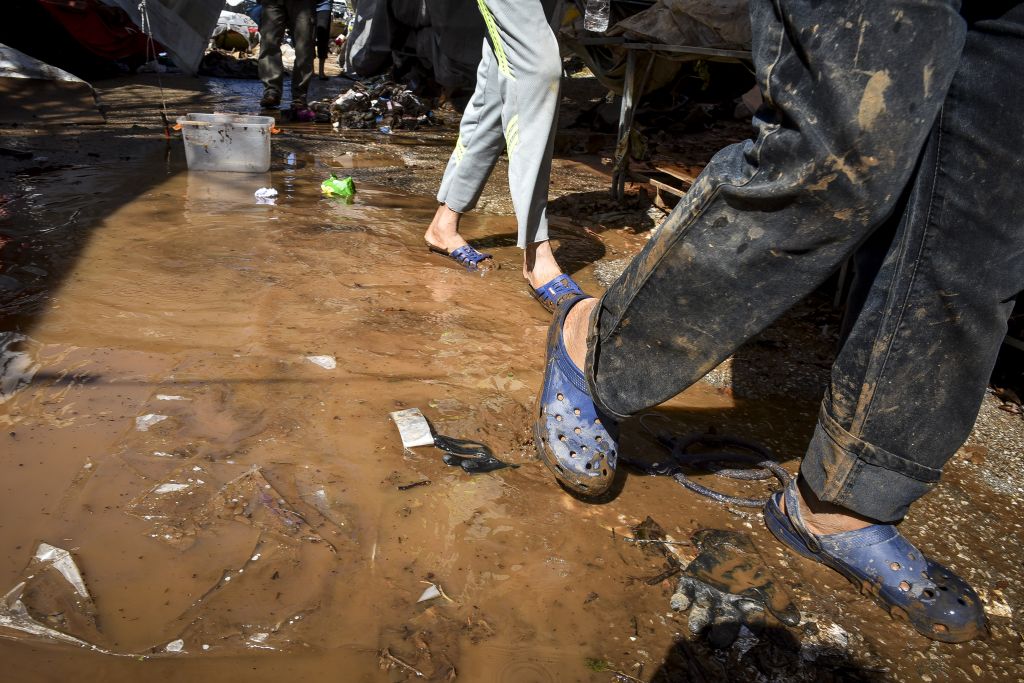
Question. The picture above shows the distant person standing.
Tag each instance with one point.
(323, 34)
(297, 17)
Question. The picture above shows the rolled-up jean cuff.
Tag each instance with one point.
(593, 351)
(847, 471)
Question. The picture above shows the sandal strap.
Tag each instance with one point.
(468, 256)
(554, 291)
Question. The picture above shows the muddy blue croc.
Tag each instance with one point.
(559, 289)
(882, 563)
(574, 440)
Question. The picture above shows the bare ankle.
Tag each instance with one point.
(576, 330)
(823, 518)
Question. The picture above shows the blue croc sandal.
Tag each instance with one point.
(578, 444)
(466, 256)
(886, 566)
(559, 289)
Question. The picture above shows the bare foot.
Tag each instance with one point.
(443, 232)
(823, 518)
(539, 265)
(576, 329)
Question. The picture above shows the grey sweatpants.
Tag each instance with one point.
(514, 105)
(297, 16)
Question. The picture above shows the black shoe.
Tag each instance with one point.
(270, 100)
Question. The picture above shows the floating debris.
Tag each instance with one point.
(339, 187)
(144, 422)
(326, 362)
(432, 591)
(175, 646)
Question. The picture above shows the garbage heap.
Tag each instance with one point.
(380, 104)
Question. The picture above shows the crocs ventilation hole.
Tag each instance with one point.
(928, 593)
(895, 566)
(584, 447)
(572, 454)
(576, 411)
(604, 473)
(961, 601)
(905, 586)
(941, 628)
(558, 417)
(597, 420)
(599, 438)
(561, 437)
(561, 397)
(588, 466)
(577, 430)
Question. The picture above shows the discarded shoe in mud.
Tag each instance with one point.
(885, 565)
(728, 586)
(472, 456)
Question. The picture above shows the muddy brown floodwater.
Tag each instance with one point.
(237, 510)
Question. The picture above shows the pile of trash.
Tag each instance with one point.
(225, 64)
(379, 103)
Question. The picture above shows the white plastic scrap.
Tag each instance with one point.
(62, 561)
(326, 362)
(266, 195)
(413, 427)
(175, 645)
(144, 422)
(432, 591)
(16, 367)
(170, 397)
(169, 488)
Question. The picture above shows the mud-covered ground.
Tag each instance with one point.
(240, 512)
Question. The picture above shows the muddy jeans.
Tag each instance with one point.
(297, 16)
(902, 122)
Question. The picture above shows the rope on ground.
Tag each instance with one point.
(147, 28)
(717, 451)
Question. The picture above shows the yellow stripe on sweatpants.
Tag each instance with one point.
(460, 149)
(512, 135)
(499, 49)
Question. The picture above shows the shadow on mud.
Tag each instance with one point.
(773, 654)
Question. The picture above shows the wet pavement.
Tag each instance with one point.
(238, 509)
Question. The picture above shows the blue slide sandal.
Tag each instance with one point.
(466, 256)
(882, 563)
(576, 443)
(559, 289)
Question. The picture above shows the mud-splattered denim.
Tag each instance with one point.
(900, 121)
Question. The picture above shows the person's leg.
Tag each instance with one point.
(847, 111)
(530, 70)
(935, 315)
(300, 17)
(323, 35)
(273, 20)
(476, 152)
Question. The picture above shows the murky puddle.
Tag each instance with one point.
(232, 504)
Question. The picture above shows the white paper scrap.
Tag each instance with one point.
(413, 427)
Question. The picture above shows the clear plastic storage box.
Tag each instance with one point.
(227, 142)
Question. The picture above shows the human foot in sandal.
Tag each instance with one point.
(442, 237)
(882, 563)
(573, 438)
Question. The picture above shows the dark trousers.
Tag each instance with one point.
(322, 34)
(894, 125)
(297, 17)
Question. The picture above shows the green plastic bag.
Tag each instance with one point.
(339, 187)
